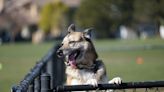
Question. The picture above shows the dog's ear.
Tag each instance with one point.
(87, 33)
(71, 28)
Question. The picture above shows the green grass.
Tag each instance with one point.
(17, 59)
(124, 64)
(120, 57)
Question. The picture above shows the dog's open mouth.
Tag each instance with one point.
(72, 58)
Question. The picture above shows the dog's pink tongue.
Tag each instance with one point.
(72, 61)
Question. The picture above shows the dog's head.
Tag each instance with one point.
(77, 48)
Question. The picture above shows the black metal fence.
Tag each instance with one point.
(128, 85)
(44, 76)
(48, 76)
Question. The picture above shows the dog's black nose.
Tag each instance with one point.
(60, 53)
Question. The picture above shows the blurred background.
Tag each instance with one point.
(128, 35)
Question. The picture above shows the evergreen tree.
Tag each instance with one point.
(104, 15)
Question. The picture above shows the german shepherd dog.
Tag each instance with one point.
(82, 65)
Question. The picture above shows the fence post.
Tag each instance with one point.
(55, 67)
(45, 82)
(59, 72)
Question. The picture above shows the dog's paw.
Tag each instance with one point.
(92, 82)
(116, 80)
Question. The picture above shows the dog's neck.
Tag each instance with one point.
(93, 67)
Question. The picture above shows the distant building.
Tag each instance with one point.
(16, 14)
(23, 15)
(161, 31)
(127, 33)
(72, 3)
(146, 30)
(141, 30)
(1, 5)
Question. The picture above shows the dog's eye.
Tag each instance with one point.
(71, 42)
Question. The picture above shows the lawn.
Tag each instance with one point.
(133, 60)
(17, 60)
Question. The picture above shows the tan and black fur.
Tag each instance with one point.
(82, 64)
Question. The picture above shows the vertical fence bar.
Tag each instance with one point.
(31, 87)
(45, 82)
(50, 70)
(37, 84)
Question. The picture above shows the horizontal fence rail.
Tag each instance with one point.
(128, 85)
